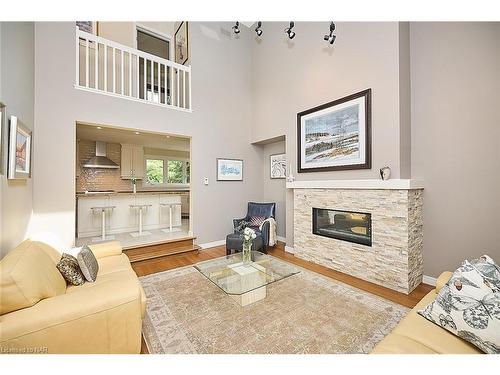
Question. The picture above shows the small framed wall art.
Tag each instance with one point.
(229, 169)
(181, 42)
(277, 166)
(19, 150)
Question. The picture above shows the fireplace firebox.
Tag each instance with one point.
(343, 225)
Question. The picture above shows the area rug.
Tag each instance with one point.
(304, 313)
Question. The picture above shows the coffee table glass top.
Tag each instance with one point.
(233, 277)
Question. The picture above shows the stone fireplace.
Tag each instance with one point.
(373, 232)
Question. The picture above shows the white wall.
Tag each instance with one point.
(219, 126)
(274, 189)
(292, 76)
(455, 72)
(17, 93)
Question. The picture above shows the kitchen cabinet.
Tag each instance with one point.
(132, 162)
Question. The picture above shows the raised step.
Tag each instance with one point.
(181, 245)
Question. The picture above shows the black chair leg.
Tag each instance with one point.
(228, 251)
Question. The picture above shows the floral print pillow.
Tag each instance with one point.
(469, 304)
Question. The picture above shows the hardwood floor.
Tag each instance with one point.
(180, 260)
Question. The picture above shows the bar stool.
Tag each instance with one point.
(102, 209)
(140, 207)
(170, 206)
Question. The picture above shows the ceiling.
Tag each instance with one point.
(115, 135)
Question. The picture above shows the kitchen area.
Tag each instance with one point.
(131, 186)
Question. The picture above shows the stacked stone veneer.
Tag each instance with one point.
(395, 258)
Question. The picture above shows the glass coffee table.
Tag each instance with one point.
(246, 283)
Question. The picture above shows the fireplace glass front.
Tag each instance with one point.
(343, 225)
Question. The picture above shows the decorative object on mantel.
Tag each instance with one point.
(278, 166)
(229, 169)
(3, 115)
(291, 177)
(336, 135)
(385, 173)
(181, 43)
(19, 150)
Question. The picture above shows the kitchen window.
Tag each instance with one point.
(163, 171)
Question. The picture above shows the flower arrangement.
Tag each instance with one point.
(248, 236)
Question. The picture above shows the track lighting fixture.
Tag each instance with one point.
(236, 28)
(258, 29)
(289, 31)
(330, 38)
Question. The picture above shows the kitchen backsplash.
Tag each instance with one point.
(100, 179)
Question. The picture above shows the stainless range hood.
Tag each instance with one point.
(100, 160)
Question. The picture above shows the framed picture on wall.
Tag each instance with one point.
(87, 26)
(181, 43)
(229, 169)
(3, 131)
(335, 136)
(19, 150)
(277, 166)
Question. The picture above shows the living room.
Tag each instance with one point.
(335, 169)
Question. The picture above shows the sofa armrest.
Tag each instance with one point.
(442, 280)
(106, 249)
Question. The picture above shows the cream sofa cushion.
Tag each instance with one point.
(28, 274)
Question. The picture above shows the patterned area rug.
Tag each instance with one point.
(304, 313)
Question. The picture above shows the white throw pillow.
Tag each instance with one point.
(469, 304)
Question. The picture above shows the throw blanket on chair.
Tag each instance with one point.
(272, 230)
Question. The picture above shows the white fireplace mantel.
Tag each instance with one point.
(392, 184)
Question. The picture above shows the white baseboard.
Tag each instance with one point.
(282, 239)
(289, 249)
(208, 245)
(429, 280)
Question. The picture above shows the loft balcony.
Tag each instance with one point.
(110, 68)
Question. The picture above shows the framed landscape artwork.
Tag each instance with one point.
(181, 43)
(335, 136)
(278, 166)
(229, 169)
(19, 150)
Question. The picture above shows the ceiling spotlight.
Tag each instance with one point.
(236, 28)
(99, 128)
(288, 30)
(258, 29)
(137, 133)
(330, 38)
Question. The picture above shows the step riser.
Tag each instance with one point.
(160, 250)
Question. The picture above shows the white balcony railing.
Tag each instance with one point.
(111, 68)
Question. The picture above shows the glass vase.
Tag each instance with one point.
(247, 253)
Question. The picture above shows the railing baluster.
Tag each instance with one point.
(114, 71)
(144, 67)
(184, 87)
(138, 80)
(159, 84)
(130, 75)
(172, 85)
(152, 81)
(96, 62)
(177, 78)
(86, 63)
(122, 80)
(105, 67)
(190, 80)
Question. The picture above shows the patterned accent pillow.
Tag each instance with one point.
(70, 270)
(88, 264)
(468, 305)
(241, 226)
(256, 221)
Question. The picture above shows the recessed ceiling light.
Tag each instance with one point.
(99, 128)
(167, 136)
(137, 133)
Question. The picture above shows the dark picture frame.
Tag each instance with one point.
(230, 163)
(181, 43)
(354, 136)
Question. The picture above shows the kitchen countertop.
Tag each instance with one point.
(93, 194)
